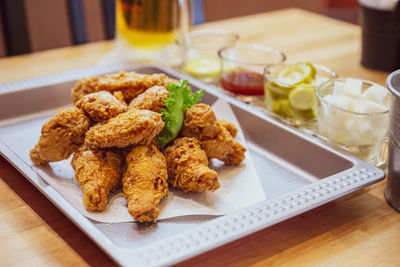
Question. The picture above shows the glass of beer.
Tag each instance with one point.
(147, 29)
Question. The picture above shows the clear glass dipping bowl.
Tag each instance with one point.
(243, 67)
(276, 99)
(200, 52)
(363, 135)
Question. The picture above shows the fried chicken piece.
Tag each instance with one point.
(98, 172)
(201, 123)
(229, 126)
(35, 156)
(151, 99)
(145, 182)
(130, 84)
(224, 148)
(101, 105)
(132, 127)
(83, 87)
(188, 168)
(61, 136)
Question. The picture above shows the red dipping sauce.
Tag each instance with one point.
(244, 82)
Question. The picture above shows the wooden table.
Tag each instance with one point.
(359, 229)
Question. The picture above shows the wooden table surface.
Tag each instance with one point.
(359, 229)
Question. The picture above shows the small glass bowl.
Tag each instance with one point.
(363, 135)
(242, 69)
(200, 52)
(277, 94)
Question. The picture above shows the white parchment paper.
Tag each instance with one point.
(240, 185)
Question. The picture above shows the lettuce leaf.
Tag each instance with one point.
(180, 98)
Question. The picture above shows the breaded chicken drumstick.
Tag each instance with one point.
(188, 166)
(98, 172)
(145, 182)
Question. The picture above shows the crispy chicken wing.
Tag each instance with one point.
(101, 105)
(188, 166)
(130, 84)
(61, 135)
(145, 182)
(216, 140)
(98, 172)
(151, 99)
(132, 127)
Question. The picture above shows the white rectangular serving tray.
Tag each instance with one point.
(298, 173)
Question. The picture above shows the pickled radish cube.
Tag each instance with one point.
(354, 87)
(375, 93)
(365, 129)
(350, 125)
(342, 101)
(340, 88)
(369, 106)
(360, 132)
(357, 105)
(352, 128)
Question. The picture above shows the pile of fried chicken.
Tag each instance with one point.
(111, 132)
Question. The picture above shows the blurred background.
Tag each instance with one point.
(34, 25)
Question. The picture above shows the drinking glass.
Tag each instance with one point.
(363, 135)
(278, 92)
(243, 67)
(147, 29)
(200, 52)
